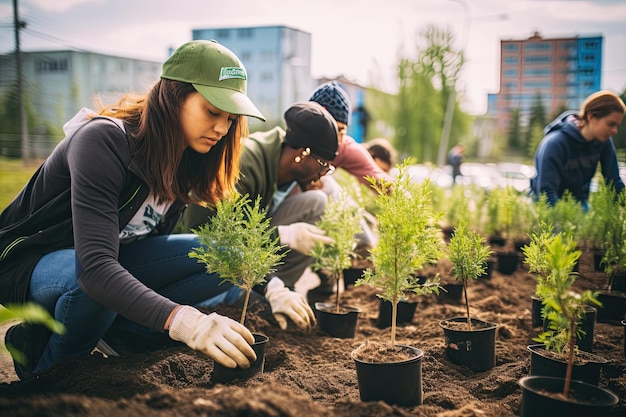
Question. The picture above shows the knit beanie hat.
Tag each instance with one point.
(334, 99)
(309, 125)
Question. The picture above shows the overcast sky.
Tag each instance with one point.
(357, 38)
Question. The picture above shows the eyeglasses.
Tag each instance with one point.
(327, 168)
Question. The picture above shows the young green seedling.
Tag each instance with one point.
(409, 239)
(468, 253)
(555, 256)
(341, 223)
(238, 244)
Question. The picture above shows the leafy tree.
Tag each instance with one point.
(425, 82)
(535, 135)
(515, 131)
(536, 121)
(560, 109)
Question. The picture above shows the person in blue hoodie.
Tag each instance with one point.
(574, 144)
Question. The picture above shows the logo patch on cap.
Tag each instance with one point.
(227, 73)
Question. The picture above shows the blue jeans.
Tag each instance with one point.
(161, 263)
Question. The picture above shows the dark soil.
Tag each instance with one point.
(313, 374)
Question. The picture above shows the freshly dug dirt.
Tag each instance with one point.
(313, 374)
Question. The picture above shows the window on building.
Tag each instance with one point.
(586, 71)
(537, 72)
(51, 65)
(511, 60)
(590, 45)
(267, 76)
(510, 47)
(510, 73)
(222, 33)
(245, 33)
(511, 85)
(538, 46)
(537, 85)
(246, 56)
(538, 59)
(267, 56)
(589, 58)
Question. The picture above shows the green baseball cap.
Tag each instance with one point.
(215, 72)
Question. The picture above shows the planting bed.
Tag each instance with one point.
(312, 374)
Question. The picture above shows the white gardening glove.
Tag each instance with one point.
(285, 302)
(302, 236)
(224, 340)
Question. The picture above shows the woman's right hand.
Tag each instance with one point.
(224, 340)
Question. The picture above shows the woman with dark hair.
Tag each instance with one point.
(574, 144)
(89, 237)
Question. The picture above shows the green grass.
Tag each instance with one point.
(13, 176)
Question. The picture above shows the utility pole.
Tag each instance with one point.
(25, 145)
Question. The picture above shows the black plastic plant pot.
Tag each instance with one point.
(350, 276)
(496, 240)
(452, 291)
(619, 282)
(474, 348)
(613, 309)
(539, 398)
(624, 325)
(397, 383)
(223, 374)
(519, 244)
(597, 260)
(542, 364)
(537, 306)
(508, 262)
(341, 325)
(587, 324)
(491, 264)
(404, 314)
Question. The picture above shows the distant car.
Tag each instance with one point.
(516, 175)
(483, 175)
(419, 173)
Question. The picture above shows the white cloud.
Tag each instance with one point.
(59, 5)
(350, 37)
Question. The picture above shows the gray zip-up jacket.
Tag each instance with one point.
(82, 196)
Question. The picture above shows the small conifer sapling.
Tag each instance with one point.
(409, 239)
(565, 307)
(341, 223)
(468, 254)
(238, 244)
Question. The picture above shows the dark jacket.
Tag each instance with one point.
(566, 161)
(259, 174)
(90, 183)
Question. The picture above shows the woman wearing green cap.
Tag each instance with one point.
(89, 237)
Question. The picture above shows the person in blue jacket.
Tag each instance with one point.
(574, 144)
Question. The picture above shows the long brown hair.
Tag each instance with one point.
(171, 170)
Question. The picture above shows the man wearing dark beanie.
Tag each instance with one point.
(273, 163)
(351, 156)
